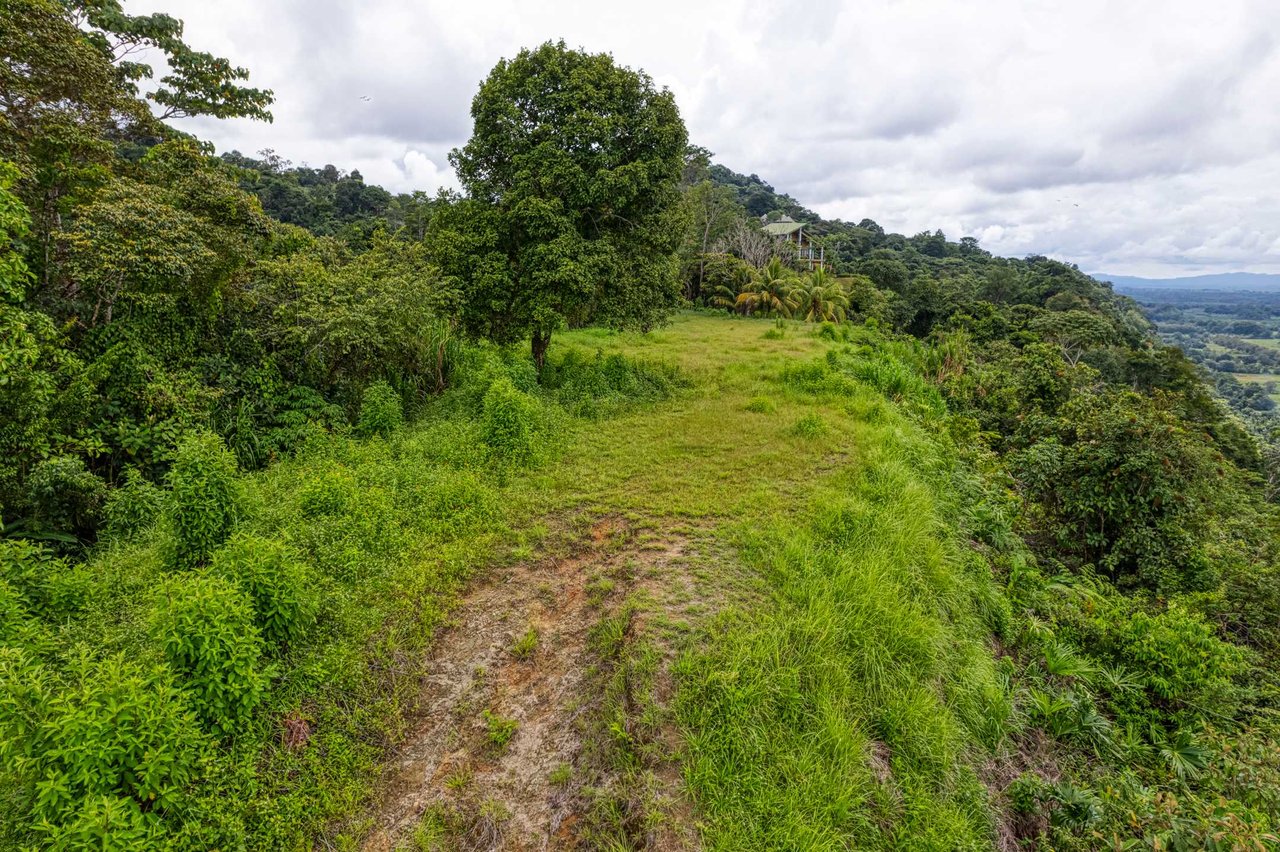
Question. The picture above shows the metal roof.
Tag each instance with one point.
(781, 229)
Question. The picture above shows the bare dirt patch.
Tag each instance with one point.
(519, 787)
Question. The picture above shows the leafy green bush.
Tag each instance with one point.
(276, 583)
(50, 586)
(380, 411)
(761, 405)
(206, 628)
(132, 507)
(326, 492)
(456, 500)
(66, 496)
(509, 419)
(205, 498)
(1127, 488)
(102, 756)
(1179, 658)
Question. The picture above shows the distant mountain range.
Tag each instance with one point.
(1223, 281)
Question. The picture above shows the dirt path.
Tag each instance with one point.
(498, 760)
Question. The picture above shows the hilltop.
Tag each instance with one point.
(581, 509)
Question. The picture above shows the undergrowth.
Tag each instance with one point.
(229, 667)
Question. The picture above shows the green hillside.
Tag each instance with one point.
(574, 510)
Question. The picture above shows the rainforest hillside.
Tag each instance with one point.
(575, 510)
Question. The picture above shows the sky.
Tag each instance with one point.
(1134, 138)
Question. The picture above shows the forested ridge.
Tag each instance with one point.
(966, 556)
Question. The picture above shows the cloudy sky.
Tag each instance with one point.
(1132, 138)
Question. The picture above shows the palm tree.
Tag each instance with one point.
(820, 298)
(723, 289)
(770, 291)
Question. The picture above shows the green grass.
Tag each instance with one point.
(850, 710)
(1256, 378)
(842, 705)
(524, 647)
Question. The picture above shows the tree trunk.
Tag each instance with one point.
(540, 340)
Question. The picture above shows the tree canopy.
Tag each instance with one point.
(578, 161)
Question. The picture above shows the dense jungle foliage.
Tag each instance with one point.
(240, 400)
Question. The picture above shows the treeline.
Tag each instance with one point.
(152, 290)
(329, 202)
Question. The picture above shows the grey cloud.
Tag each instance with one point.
(1195, 98)
(992, 120)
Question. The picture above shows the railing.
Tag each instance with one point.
(813, 257)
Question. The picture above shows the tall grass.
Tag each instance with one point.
(850, 710)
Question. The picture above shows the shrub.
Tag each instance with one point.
(275, 582)
(326, 493)
(205, 497)
(108, 752)
(508, 420)
(1126, 487)
(761, 405)
(205, 626)
(1180, 658)
(50, 587)
(132, 507)
(381, 412)
(66, 496)
(456, 501)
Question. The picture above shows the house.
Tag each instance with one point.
(789, 230)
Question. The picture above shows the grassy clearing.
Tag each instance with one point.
(1256, 378)
(1261, 379)
(844, 704)
(852, 703)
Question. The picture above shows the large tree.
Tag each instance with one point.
(72, 94)
(573, 172)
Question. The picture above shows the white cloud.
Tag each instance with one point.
(1131, 138)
